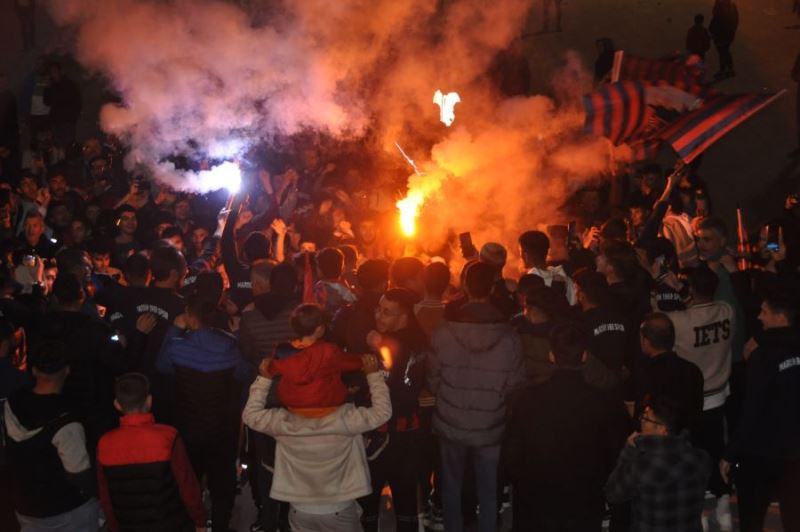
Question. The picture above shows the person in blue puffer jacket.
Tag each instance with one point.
(210, 373)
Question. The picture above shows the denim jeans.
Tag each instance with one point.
(485, 461)
(83, 518)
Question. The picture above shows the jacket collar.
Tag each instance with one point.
(668, 442)
(137, 420)
(781, 337)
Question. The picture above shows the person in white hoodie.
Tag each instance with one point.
(703, 335)
(320, 464)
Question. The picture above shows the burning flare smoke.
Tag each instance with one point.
(203, 77)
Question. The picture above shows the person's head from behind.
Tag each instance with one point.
(592, 290)
(33, 227)
(662, 416)
(712, 237)
(309, 322)
(614, 229)
(68, 292)
(526, 283)
(533, 248)
(437, 280)
(137, 270)
(408, 272)
(209, 286)
(74, 261)
(372, 277)
(567, 345)
(132, 394)
(350, 256)
(168, 267)
(703, 283)
(542, 304)
(200, 312)
(49, 365)
(478, 281)
(283, 280)
(699, 19)
(656, 334)
(395, 310)
(330, 263)
(617, 261)
(256, 247)
(260, 273)
(495, 255)
(778, 310)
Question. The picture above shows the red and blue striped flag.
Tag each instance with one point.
(691, 134)
(683, 74)
(675, 72)
(617, 111)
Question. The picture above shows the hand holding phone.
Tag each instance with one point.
(468, 250)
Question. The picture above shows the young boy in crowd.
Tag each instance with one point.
(145, 479)
(320, 463)
(310, 368)
(330, 291)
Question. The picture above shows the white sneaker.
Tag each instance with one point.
(723, 513)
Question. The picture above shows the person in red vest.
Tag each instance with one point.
(145, 479)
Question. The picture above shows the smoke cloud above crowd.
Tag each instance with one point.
(201, 77)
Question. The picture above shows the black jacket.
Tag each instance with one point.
(406, 376)
(95, 360)
(353, 321)
(672, 376)
(770, 421)
(561, 444)
(42, 487)
(64, 100)
(608, 335)
(165, 304)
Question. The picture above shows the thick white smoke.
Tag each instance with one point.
(200, 73)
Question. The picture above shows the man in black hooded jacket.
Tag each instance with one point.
(96, 357)
(766, 443)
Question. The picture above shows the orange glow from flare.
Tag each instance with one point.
(409, 210)
(386, 355)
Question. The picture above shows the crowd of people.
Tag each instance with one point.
(163, 351)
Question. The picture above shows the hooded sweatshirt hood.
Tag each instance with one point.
(461, 325)
(270, 305)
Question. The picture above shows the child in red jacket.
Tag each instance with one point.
(310, 368)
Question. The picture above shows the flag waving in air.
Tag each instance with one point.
(624, 112)
(617, 111)
(694, 132)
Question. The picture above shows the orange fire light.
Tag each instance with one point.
(409, 210)
(386, 356)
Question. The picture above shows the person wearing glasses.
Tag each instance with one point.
(660, 473)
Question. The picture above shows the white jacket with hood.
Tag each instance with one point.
(319, 461)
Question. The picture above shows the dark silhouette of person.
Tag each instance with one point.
(724, 22)
(698, 40)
